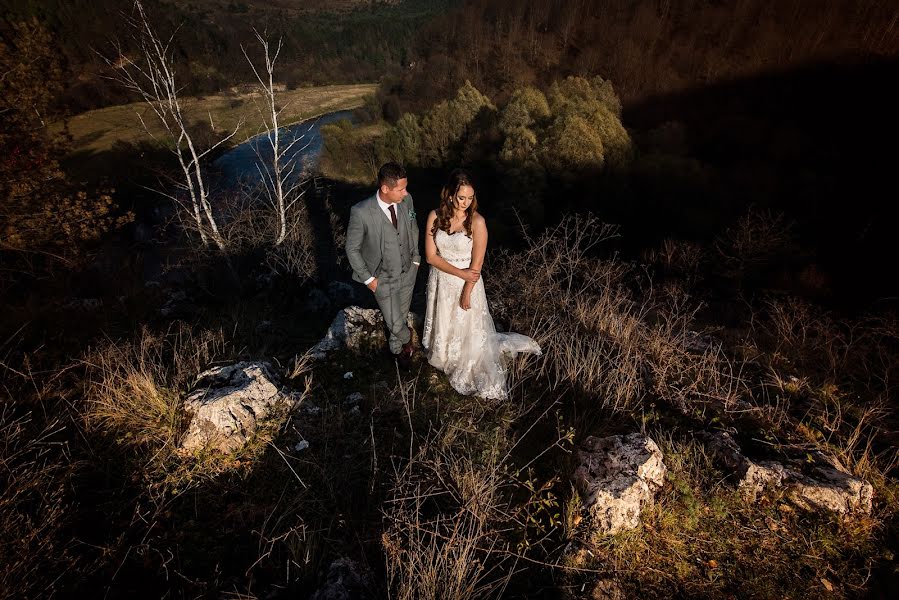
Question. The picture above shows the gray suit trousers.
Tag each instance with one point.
(394, 297)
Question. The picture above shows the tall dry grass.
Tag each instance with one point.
(39, 471)
(606, 332)
(465, 510)
(831, 379)
(36, 504)
(134, 390)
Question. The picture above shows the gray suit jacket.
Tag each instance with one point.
(365, 240)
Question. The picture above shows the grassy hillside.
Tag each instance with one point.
(100, 129)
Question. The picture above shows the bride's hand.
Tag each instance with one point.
(470, 275)
(465, 300)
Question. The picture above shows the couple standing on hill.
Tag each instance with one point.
(459, 335)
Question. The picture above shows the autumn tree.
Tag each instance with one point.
(43, 213)
(444, 126)
(526, 109)
(586, 129)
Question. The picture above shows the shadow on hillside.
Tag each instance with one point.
(813, 143)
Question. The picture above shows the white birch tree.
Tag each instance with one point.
(280, 180)
(152, 76)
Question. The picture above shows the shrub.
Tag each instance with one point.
(597, 105)
(571, 144)
(348, 153)
(42, 213)
(445, 125)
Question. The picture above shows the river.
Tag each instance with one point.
(239, 163)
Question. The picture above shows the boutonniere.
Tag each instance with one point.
(412, 214)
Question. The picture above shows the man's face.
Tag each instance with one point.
(396, 193)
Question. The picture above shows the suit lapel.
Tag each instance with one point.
(376, 218)
(402, 215)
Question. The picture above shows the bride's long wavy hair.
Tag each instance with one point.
(445, 211)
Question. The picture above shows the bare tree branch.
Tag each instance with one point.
(152, 77)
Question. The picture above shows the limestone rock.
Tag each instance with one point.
(228, 404)
(356, 328)
(617, 477)
(832, 490)
(825, 488)
(762, 475)
(752, 477)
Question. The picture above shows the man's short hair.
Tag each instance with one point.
(390, 173)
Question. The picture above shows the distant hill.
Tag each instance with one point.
(342, 41)
(644, 48)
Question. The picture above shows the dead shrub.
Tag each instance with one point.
(756, 238)
(678, 257)
(249, 224)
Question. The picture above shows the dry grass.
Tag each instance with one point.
(35, 504)
(134, 391)
(829, 383)
(134, 395)
(462, 513)
(679, 257)
(702, 540)
(606, 333)
(443, 529)
(98, 130)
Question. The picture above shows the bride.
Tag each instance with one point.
(459, 334)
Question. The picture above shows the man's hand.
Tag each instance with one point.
(373, 284)
(470, 275)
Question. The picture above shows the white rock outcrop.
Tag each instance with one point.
(752, 478)
(617, 476)
(356, 328)
(831, 490)
(825, 488)
(228, 403)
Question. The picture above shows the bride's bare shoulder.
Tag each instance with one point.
(478, 220)
(432, 215)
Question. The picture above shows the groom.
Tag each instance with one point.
(382, 246)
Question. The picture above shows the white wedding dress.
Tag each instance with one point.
(464, 344)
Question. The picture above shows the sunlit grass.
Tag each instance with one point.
(98, 130)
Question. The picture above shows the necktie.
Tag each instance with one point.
(393, 216)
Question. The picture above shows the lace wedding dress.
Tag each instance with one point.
(464, 344)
